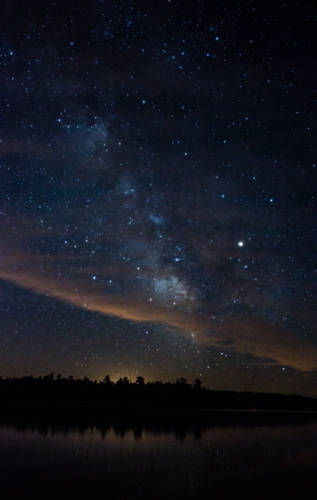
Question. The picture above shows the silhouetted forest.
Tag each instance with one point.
(139, 394)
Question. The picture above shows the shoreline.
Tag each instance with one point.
(7, 404)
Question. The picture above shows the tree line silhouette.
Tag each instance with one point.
(125, 393)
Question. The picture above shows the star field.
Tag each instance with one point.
(158, 191)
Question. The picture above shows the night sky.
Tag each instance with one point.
(158, 183)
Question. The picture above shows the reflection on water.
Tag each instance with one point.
(114, 460)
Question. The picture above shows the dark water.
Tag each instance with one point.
(257, 460)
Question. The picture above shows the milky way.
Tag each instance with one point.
(158, 185)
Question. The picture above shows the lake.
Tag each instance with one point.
(220, 459)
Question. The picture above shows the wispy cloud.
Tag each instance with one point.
(56, 277)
